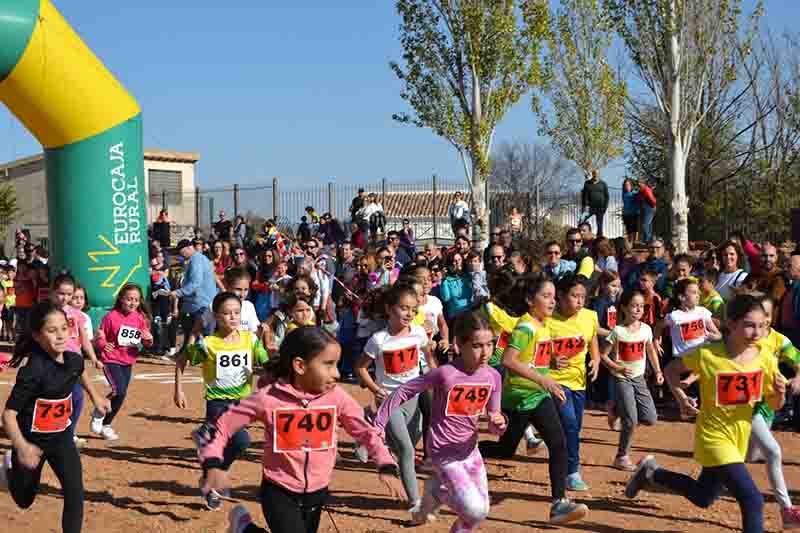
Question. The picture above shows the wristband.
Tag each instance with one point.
(389, 469)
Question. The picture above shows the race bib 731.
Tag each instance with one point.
(304, 430)
(739, 388)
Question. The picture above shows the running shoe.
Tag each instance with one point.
(362, 454)
(575, 483)
(429, 506)
(79, 442)
(5, 468)
(790, 517)
(641, 477)
(623, 462)
(239, 519)
(563, 511)
(533, 446)
(97, 422)
(109, 434)
(212, 498)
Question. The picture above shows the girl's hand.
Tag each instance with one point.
(498, 420)
(98, 364)
(561, 362)
(554, 389)
(779, 385)
(380, 395)
(594, 369)
(147, 336)
(688, 407)
(657, 346)
(180, 399)
(217, 480)
(794, 384)
(627, 372)
(394, 486)
(103, 404)
(108, 348)
(29, 456)
(444, 345)
(659, 378)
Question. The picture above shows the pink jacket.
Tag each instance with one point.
(298, 426)
(124, 333)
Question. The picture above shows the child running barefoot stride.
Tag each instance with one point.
(122, 333)
(228, 358)
(734, 375)
(529, 392)
(300, 412)
(630, 342)
(462, 392)
(37, 415)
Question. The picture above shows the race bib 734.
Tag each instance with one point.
(304, 430)
(51, 416)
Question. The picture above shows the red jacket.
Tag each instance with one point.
(646, 195)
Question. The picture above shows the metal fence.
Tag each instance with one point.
(424, 203)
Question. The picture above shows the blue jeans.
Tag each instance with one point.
(119, 377)
(240, 440)
(347, 339)
(648, 214)
(77, 406)
(708, 488)
(571, 414)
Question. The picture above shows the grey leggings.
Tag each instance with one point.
(404, 430)
(761, 438)
(634, 406)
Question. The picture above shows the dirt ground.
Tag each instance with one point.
(147, 481)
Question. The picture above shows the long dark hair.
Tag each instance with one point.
(305, 342)
(38, 316)
(525, 289)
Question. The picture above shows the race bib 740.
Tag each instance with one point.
(304, 430)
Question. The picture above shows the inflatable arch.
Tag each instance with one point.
(91, 131)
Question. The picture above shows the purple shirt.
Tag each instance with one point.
(456, 395)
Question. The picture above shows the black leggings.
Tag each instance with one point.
(547, 423)
(63, 457)
(289, 512)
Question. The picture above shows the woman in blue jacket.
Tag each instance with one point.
(456, 287)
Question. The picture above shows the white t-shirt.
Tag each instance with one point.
(631, 347)
(249, 318)
(397, 358)
(432, 309)
(728, 281)
(87, 326)
(688, 329)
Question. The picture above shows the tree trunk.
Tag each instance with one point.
(680, 203)
(480, 207)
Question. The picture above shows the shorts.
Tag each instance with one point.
(631, 223)
(7, 315)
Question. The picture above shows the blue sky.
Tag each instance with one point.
(300, 90)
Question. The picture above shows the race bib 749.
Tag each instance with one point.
(468, 399)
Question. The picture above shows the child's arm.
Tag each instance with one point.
(654, 362)
(594, 364)
(512, 363)
(673, 377)
(611, 364)
(778, 396)
(102, 403)
(362, 371)
(28, 454)
(402, 394)
(497, 420)
(180, 367)
(713, 331)
(658, 331)
(88, 349)
(444, 333)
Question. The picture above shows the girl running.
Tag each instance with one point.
(79, 341)
(528, 391)
(300, 412)
(228, 358)
(462, 392)
(574, 333)
(123, 332)
(37, 414)
(396, 352)
(631, 342)
(605, 305)
(761, 438)
(689, 325)
(734, 375)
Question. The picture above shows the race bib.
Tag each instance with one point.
(502, 341)
(739, 388)
(630, 351)
(468, 399)
(611, 317)
(568, 346)
(129, 336)
(304, 430)
(74, 332)
(690, 331)
(400, 362)
(51, 416)
(541, 358)
(234, 366)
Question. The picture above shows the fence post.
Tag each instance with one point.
(434, 203)
(235, 200)
(164, 199)
(330, 197)
(275, 199)
(197, 207)
(211, 211)
(383, 191)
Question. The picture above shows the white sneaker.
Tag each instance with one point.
(79, 442)
(239, 519)
(97, 422)
(5, 468)
(362, 454)
(109, 434)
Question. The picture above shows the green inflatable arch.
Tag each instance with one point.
(91, 131)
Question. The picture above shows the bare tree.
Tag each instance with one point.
(531, 177)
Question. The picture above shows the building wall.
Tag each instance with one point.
(181, 209)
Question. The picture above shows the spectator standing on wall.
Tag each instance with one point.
(594, 200)
(357, 205)
(199, 286)
(222, 227)
(647, 205)
(630, 210)
(240, 231)
(459, 212)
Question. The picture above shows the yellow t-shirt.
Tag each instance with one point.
(728, 394)
(571, 338)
